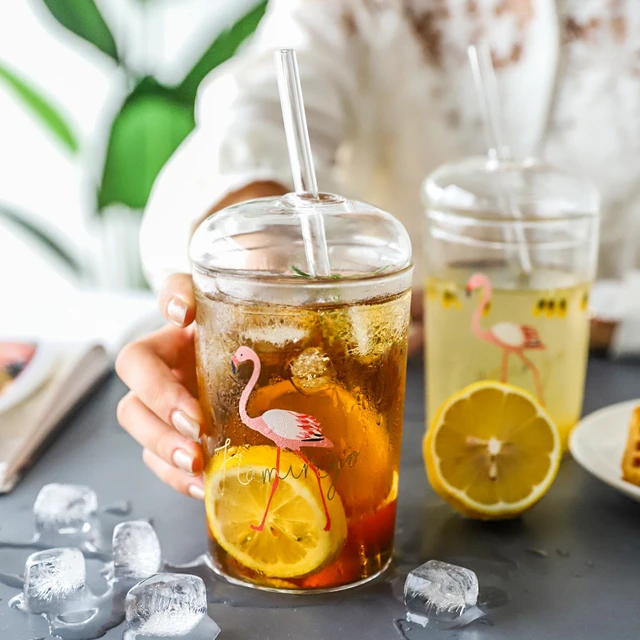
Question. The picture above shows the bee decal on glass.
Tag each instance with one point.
(450, 298)
(551, 307)
(584, 303)
(562, 307)
(539, 307)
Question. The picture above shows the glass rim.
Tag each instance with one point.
(476, 218)
(280, 280)
(489, 218)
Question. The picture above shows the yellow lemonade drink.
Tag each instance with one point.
(511, 248)
(482, 325)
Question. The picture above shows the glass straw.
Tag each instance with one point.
(304, 175)
(484, 78)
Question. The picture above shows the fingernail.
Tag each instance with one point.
(185, 425)
(183, 460)
(177, 311)
(196, 491)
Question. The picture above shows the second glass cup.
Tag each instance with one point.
(511, 249)
(302, 384)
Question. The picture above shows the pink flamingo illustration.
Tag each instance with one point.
(287, 429)
(510, 337)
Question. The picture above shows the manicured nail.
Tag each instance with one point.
(196, 491)
(177, 311)
(185, 425)
(183, 460)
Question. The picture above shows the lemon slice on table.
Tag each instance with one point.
(293, 542)
(492, 451)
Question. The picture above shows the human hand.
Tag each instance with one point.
(161, 411)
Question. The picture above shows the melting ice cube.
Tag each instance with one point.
(170, 604)
(136, 550)
(275, 334)
(373, 329)
(439, 591)
(65, 509)
(311, 370)
(54, 580)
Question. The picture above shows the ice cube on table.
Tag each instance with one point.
(439, 591)
(136, 550)
(166, 604)
(65, 509)
(54, 580)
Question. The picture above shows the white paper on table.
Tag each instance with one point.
(75, 369)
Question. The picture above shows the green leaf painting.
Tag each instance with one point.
(222, 48)
(149, 128)
(43, 110)
(83, 18)
(153, 120)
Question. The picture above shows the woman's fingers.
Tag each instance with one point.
(176, 301)
(159, 411)
(151, 379)
(161, 439)
(180, 481)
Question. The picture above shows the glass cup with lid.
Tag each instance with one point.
(301, 379)
(511, 252)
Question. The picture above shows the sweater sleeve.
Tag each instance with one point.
(239, 136)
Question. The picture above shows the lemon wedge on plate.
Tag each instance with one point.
(293, 542)
(492, 451)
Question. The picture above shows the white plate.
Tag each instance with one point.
(30, 378)
(598, 442)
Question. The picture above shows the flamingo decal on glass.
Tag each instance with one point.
(287, 429)
(512, 338)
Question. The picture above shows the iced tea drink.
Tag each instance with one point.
(304, 408)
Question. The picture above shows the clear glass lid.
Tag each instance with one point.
(490, 189)
(265, 238)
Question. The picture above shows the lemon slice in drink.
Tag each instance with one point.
(293, 542)
(362, 453)
(492, 451)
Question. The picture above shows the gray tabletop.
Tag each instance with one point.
(570, 568)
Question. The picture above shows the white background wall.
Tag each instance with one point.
(36, 174)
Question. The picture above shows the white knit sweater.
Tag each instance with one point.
(389, 97)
